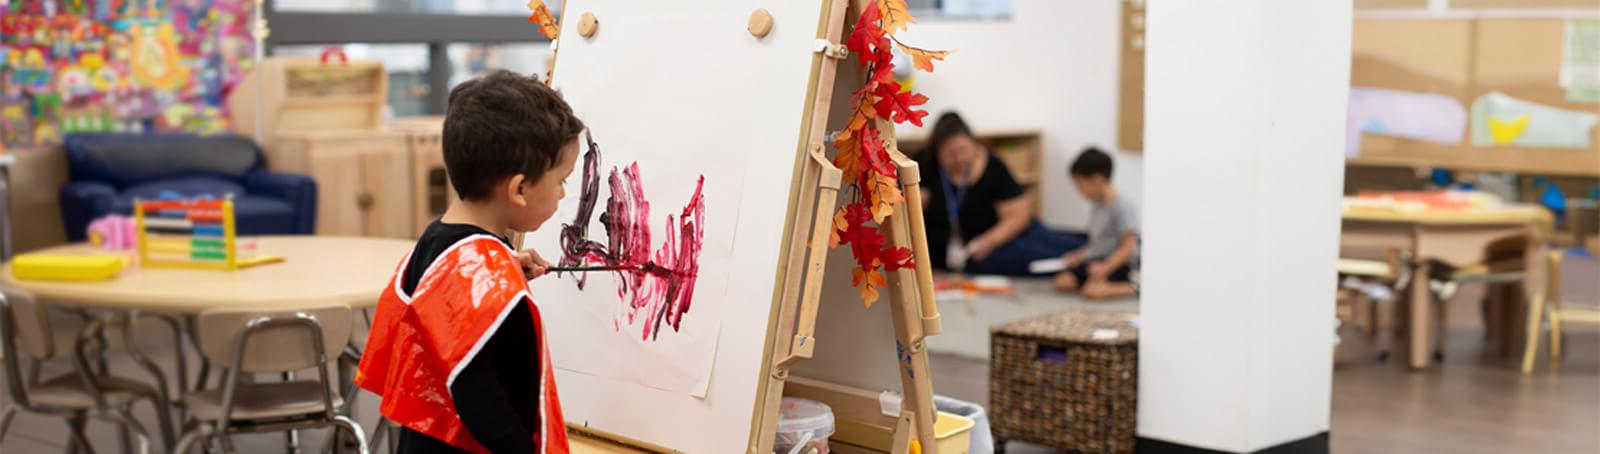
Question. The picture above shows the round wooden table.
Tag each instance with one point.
(316, 270)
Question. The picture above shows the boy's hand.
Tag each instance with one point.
(1072, 258)
(532, 264)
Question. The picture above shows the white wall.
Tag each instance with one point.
(1053, 67)
(1243, 146)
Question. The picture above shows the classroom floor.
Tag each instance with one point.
(1472, 403)
(1475, 402)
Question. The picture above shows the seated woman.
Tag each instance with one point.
(977, 218)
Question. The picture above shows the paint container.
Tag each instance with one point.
(804, 426)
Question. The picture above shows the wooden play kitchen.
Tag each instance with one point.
(324, 118)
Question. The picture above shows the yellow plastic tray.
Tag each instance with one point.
(953, 433)
(83, 268)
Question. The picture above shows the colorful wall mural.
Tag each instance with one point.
(119, 66)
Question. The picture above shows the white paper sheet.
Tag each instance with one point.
(1501, 120)
(677, 361)
(1420, 116)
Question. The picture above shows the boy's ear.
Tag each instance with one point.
(515, 193)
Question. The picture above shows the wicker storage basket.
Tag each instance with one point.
(1066, 380)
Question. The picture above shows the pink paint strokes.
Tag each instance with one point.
(659, 287)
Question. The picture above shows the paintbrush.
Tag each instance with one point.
(649, 267)
(581, 269)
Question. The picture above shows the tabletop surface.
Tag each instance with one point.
(1504, 214)
(316, 270)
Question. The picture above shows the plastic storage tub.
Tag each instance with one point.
(804, 426)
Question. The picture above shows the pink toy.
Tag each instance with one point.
(114, 233)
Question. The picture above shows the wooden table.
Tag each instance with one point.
(1456, 237)
(317, 270)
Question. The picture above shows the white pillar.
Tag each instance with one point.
(1244, 130)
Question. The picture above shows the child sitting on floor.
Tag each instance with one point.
(1100, 268)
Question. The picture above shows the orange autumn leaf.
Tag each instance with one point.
(849, 158)
(869, 295)
(541, 15)
(896, 15)
(885, 194)
(922, 58)
(869, 281)
(840, 224)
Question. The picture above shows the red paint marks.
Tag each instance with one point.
(660, 287)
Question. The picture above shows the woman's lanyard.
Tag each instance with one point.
(953, 197)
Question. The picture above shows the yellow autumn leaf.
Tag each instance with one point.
(923, 58)
(896, 15)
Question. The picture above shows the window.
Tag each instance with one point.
(974, 9)
(472, 60)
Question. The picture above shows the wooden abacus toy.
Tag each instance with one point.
(190, 234)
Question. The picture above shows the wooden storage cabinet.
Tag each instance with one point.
(431, 192)
(364, 179)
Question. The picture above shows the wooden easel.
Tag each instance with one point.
(862, 416)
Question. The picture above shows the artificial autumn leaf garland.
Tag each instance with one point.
(547, 22)
(865, 162)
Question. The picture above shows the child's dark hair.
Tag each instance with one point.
(1091, 162)
(949, 126)
(500, 125)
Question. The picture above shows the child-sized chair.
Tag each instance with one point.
(84, 393)
(257, 342)
(1556, 313)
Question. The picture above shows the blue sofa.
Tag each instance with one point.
(109, 170)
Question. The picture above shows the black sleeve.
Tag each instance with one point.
(1001, 185)
(928, 169)
(484, 404)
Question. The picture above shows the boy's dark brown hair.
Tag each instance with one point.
(500, 125)
(1091, 162)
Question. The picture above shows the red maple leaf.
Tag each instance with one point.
(899, 106)
(896, 258)
(873, 156)
(866, 35)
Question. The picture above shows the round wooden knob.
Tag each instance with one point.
(760, 23)
(587, 25)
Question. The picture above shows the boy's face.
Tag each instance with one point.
(1092, 187)
(536, 201)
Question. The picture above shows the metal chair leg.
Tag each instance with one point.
(126, 423)
(5, 420)
(355, 431)
(80, 442)
(189, 438)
